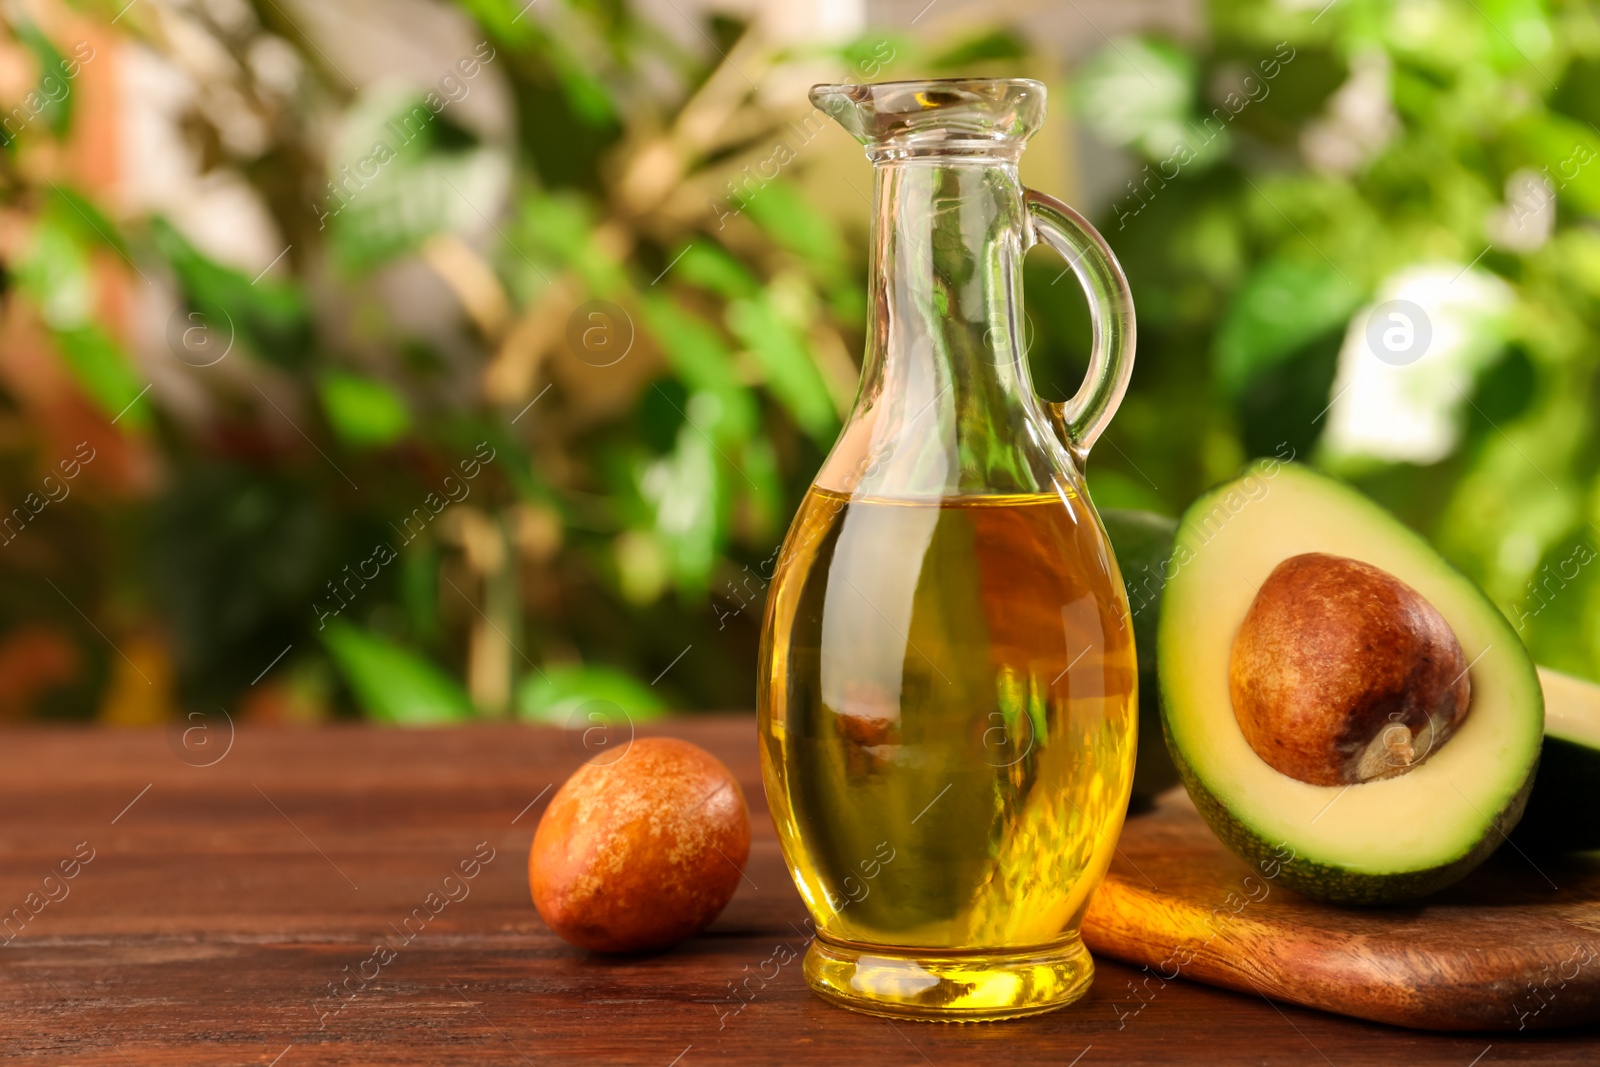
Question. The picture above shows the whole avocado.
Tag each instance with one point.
(1142, 541)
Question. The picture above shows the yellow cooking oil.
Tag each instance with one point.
(949, 711)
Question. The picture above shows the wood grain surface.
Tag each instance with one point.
(1514, 947)
(225, 905)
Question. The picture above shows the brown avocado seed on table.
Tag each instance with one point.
(1342, 673)
(639, 851)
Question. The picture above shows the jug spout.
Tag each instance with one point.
(949, 116)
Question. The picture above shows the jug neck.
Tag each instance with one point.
(946, 406)
(948, 236)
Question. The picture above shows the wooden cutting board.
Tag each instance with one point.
(1515, 946)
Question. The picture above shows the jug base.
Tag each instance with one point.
(949, 987)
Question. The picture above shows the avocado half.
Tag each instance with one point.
(1564, 808)
(1142, 542)
(1377, 842)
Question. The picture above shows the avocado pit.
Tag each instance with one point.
(1341, 673)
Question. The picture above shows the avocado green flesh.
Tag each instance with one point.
(1564, 809)
(1142, 543)
(1339, 885)
(1380, 841)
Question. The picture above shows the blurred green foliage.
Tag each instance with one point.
(1365, 141)
(572, 526)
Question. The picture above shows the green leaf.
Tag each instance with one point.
(784, 213)
(401, 170)
(272, 315)
(692, 346)
(986, 45)
(585, 92)
(393, 684)
(419, 588)
(685, 490)
(711, 267)
(1139, 92)
(1114, 490)
(55, 267)
(364, 412)
(870, 55)
(763, 490)
(1280, 307)
(55, 86)
(54, 272)
(408, 201)
(697, 354)
(558, 693)
(103, 369)
(505, 21)
(1567, 156)
(559, 227)
(1522, 39)
(78, 214)
(791, 374)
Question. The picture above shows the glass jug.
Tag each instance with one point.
(947, 683)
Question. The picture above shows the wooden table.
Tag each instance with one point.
(221, 905)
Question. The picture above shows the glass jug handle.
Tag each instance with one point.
(1082, 419)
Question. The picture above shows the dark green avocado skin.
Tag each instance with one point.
(1330, 884)
(1142, 542)
(1564, 810)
